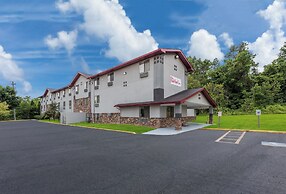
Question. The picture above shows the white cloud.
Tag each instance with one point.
(64, 39)
(107, 20)
(267, 46)
(228, 41)
(205, 46)
(10, 71)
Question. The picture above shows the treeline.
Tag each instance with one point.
(26, 107)
(238, 86)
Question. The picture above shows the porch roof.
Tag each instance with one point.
(178, 98)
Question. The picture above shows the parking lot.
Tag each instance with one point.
(41, 158)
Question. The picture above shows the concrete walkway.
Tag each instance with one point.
(172, 131)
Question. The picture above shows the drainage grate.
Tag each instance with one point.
(233, 137)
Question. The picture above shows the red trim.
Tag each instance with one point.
(146, 56)
(203, 90)
(76, 78)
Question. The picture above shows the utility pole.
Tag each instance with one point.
(14, 110)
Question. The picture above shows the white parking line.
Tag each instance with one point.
(222, 136)
(233, 137)
(240, 138)
(273, 144)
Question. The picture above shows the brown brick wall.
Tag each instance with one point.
(151, 122)
(82, 105)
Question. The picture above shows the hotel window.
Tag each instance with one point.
(96, 83)
(70, 104)
(96, 101)
(58, 94)
(64, 93)
(170, 111)
(144, 68)
(69, 92)
(175, 68)
(125, 84)
(145, 112)
(110, 79)
(76, 89)
(86, 87)
(64, 105)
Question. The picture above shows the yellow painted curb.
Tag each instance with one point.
(247, 130)
(130, 132)
(114, 130)
(14, 121)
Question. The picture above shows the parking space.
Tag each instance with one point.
(233, 137)
(45, 158)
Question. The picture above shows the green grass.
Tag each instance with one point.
(50, 121)
(271, 122)
(118, 127)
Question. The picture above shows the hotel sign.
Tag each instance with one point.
(176, 81)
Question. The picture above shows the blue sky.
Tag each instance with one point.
(97, 34)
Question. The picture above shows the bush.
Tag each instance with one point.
(274, 109)
(38, 117)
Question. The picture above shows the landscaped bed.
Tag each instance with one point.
(116, 127)
(270, 122)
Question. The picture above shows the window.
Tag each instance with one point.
(85, 86)
(175, 68)
(145, 112)
(70, 104)
(58, 94)
(96, 99)
(144, 66)
(64, 93)
(59, 106)
(96, 83)
(111, 77)
(76, 89)
(64, 105)
(125, 84)
(170, 111)
(69, 92)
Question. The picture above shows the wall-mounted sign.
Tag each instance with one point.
(176, 81)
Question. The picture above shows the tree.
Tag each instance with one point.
(52, 112)
(236, 75)
(4, 111)
(8, 95)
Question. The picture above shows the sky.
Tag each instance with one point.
(43, 44)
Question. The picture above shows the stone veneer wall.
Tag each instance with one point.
(151, 122)
(81, 106)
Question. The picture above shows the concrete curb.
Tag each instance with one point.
(15, 121)
(114, 130)
(247, 130)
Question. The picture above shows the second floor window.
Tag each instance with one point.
(70, 104)
(64, 105)
(96, 99)
(76, 89)
(110, 77)
(144, 67)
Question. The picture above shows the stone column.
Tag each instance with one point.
(178, 116)
(211, 112)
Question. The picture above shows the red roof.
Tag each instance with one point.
(146, 56)
(178, 98)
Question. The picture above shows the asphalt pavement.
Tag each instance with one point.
(44, 158)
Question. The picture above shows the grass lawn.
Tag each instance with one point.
(50, 121)
(272, 122)
(118, 127)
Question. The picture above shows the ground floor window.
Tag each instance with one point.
(145, 111)
(170, 111)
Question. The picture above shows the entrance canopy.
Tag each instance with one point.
(193, 98)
